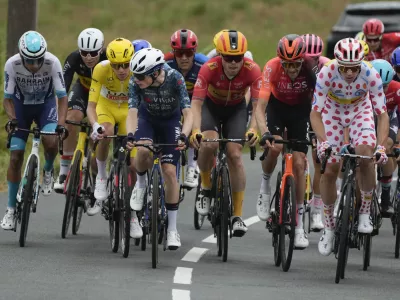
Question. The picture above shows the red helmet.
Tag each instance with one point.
(291, 47)
(314, 44)
(373, 27)
(184, 39)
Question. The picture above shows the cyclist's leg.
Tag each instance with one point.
(77, 105)
(316, 204)
(47, 121)
(275, 118)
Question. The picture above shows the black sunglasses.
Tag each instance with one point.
(117, 66)
(91, 53)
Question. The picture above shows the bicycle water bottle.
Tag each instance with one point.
(308, 191)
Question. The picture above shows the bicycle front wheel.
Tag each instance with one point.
(198, 219)
(154, 219)
(397, 244)
(275, 218)
(125, 208)
(113, 220)
(225, 211)
(27, 199)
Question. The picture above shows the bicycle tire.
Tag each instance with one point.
(225, 212)
(113, 222)
(27, 199)
(154, 220)
(125, 209)
(71, 194)
(275, 232)
(289, 198)
(367, 243)
(198, 220)
(397, 243)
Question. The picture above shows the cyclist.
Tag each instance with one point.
(219, 97)
(157, 98)
(81, 62)
(315, 46)
(184, 58)
(288, 82)
(360, 36)
(140, 44)
(381, 45)
(391, 89)
(33, 78)
(347, 92)
(108, 106)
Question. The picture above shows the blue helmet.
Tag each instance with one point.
(140, 44)
(396, 57)
(32, 45)
(384, 69)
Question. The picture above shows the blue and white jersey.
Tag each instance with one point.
(33, 88)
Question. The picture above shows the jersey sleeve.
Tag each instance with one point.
(58, 79)
(322, 87)
(255, 79)
(133, 101)
(212, 53)
(97, 82)
(68, 70)
(376, 92)
(183, 95)
(201, 86)
(248, 54)
(265, 90)
(9, 80)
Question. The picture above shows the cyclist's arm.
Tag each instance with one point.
(94, 93)
(255, 78)
(133, 103)
(68, 70)
(9, 87)
(61, 93)
(199, 95)
(263, 98)
(184, 104)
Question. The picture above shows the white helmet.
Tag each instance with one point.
(32, 45)
(90, 39)
(147, 60)
(349, 51)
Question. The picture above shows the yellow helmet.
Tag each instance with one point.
(360, 36)
(120, 51)
(231, 42)
(365, 47)
(216, 36)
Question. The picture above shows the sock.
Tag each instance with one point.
(65, 162)
(317, 203)
(265, 185)
(172, 211)
(300, 212)
(386, 181)
(12, 193)
(101, 168)
(237, 198)
(191, 162)
(366, 199)
(48, 164)
(206, 180)
(141, 179)
(328, 213)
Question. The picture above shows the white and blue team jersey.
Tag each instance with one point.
(33, 88)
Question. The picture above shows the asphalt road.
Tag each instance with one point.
(83, 266)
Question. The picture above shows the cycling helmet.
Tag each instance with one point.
(385, 69)
(140, 44)
(231, 42)
(147, 61)
(396, 57)
(119, 51)
(314, 44)
(291, 47)
(217, 35)
(360, 36)
(184, 39)
(90, 39)
(365, 47)
(373, 27)
(349, 51)
(32, 45)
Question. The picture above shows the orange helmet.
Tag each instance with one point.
(291, 47)
(231, 42)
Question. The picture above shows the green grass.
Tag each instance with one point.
(263, 22)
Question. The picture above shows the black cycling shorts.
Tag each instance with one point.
(78, 98)
(294, 118)
(231, 121)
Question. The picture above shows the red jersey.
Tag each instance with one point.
(389, 42)
(214, 84)
(393, 96)
(276, 81)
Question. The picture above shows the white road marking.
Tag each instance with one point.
(183, 275)
(180, 294)
(194, 254)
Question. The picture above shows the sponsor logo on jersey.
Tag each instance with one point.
(249, 65)
(199, 83)
(6, 80)
(360, 93)
(117, 96)
(60, 76)
(292, 85)
(189, 85)
(212, 65)
(66, 66)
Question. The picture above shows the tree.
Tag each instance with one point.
(22, 16)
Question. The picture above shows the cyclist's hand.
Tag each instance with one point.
(183, 142)
(322, 149)
(129, 141)
(380, 155)
(254, 137)
(11, 125)
(98, 132)
(396, 151)
(267, 140)
(345, 149)
(62, 131)
(194, 138)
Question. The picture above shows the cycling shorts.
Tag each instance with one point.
(232, 118)
(78, 98)
(161, 131)
(295, 118)
(110, 112)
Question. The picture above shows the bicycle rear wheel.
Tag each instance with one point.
(154, 219)
(113, 220)
(198, 219)
(125, 208)
(288, 226)
(275, 222)
(72, 193)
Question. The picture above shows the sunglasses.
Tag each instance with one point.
(91, 53)
(291, 64)
(353, 69)
(30, 61)
(139, 77)
(232, 58)
(374, 40)
(186, 52)
(117, 66)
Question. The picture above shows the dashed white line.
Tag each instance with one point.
(183, 275)
(180, 294)
(194, 254)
